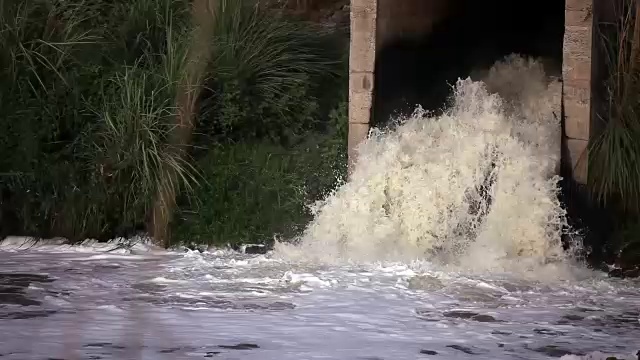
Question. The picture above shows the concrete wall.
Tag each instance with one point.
(577, 85)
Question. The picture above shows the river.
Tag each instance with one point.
(89, 303)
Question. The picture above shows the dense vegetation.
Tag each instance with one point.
(614, 155)
(117, 115)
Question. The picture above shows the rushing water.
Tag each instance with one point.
(473, 186)
(444, 244)
(70, 304)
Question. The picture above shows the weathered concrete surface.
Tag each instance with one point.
(361, 67)
(576, 93)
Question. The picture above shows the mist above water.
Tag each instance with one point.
(475, 186)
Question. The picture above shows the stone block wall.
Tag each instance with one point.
(577, 85)
(362, 55)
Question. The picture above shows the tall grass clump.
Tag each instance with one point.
(112, 113)
(615, 153)
(40, 46)
(268, 137)
(83, 122)
(145, 28)
(614, 174)
(130, 152)
(265, 74)
(256, 191)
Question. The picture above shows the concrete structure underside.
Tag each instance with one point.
(376, 23)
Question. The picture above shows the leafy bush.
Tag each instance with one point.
(272, 131)
(39, 43)
(89, 99)
(85, 131)
(129, 154)
(254, 191)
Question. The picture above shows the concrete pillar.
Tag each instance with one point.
(576, 92)
(362, 56)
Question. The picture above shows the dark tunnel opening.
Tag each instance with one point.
(473, 36)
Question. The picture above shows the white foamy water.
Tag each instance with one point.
(475, 186)
(445, 244)
(62, 304)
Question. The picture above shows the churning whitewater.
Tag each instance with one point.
(475, 185)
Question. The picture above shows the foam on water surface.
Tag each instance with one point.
(191, 305)
(115, 247)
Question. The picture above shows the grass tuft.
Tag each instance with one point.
(614, 154)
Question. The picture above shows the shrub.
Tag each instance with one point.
(265, 72)
(141, 29)
(89, 99)
(39, 46)
(614, 154)
(254, 191)
(272, 130)
(85, 130)
(128, 154)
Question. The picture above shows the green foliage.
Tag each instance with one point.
(614, 154)
(145, 27)
(328, 164)
(238, 115)
(129, 154)
(614, 174)
(88, 102)
(272, 126)
(39, 106)
(253, 191)
(265, 74)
